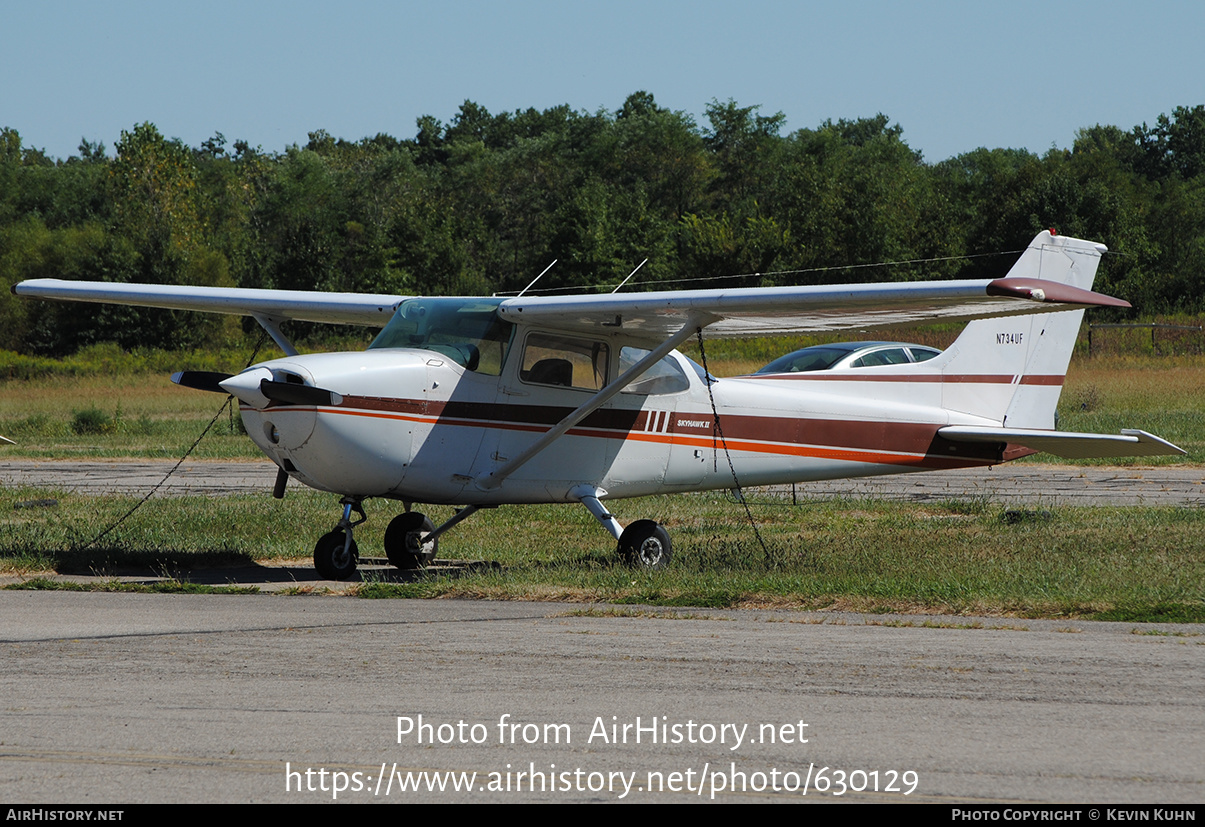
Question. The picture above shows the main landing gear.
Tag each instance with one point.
(643, 545)
(405, 544)
(412, 541)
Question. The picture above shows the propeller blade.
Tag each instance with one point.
(282, 479)
(201, 380)
(288, 393)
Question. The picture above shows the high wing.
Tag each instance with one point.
(300, 305)
(658, 315)
(768, 311)
(1051, 274)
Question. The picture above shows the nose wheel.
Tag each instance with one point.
(336, 553)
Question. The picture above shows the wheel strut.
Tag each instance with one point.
(350, 504)
(336, 554)
(644, 544)
(588, 495)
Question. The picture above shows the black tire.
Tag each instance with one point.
(330, 560)
(645, 545)
(403, 545)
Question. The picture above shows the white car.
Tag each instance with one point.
(850, 355)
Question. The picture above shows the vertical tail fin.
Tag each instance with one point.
(1011, 369)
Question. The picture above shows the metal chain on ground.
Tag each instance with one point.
(263, 337)
(715, 418)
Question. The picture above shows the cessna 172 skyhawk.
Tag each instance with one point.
(480, 402)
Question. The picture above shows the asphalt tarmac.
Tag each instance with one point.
(127, 698)
(1014, 483)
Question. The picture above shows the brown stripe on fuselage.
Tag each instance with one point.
(416, 407)
(617, 419)
(893, 437)
(897, 442)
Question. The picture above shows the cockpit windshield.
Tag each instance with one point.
(467, 331)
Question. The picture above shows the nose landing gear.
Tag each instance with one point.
(336, 553)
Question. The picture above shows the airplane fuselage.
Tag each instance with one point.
(416, 425)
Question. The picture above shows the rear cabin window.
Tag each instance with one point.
(664, 377)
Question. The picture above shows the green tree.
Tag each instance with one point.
(155, 200)
(743, 144)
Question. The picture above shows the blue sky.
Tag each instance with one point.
(954, 75)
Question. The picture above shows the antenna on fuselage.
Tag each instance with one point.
(625, 281)
(537, 278)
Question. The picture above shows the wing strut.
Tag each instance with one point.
(694, 321)
(272, 325)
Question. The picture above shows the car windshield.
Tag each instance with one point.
(467, 331)
(820, 357)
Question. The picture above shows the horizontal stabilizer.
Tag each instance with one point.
(1069, 445)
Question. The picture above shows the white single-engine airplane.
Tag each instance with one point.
(480, 402)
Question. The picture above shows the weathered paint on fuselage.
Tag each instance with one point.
(414, 425)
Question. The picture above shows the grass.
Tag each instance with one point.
(954, 558)
(1163, 395)
(127, 416)
(113, 585)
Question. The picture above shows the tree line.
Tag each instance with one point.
(482, 204)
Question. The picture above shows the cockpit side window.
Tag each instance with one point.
(564, 361)
(467, 331)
